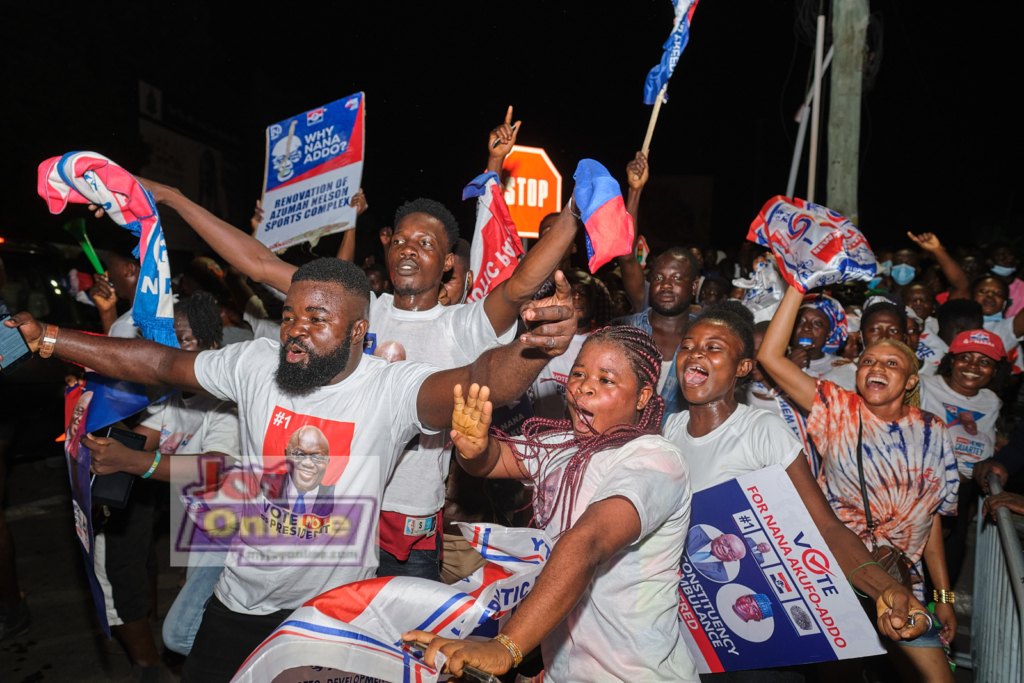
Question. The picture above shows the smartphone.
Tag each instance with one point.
(12, 347)
(470, 673)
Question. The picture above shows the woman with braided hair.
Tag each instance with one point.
(615, 496)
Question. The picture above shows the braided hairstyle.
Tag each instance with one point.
(204, 318)
(645, 361)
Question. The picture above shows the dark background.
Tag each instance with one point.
(941, 136)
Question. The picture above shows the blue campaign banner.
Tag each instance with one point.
(76, 416)
(314, 164)
(758, 586)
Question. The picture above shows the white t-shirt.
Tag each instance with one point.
(1004, 329)
(369, 417)
(256, 315)
(626, 625)
(948, 405)
(547, 393)
(749, 440)
(124, 327)
(845, 375)
(666, 368)
(193, 425)
(930, 349)
(447, 337)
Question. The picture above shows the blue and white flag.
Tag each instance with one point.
(674, 46)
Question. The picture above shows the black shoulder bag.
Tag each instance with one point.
(893, 560)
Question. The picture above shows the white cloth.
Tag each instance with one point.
(447, 337)
(749, 440)
(818, 368)
(547, 393)
(193, 425)
(124, 327)
(746, 395)
(626, 626)
(256, 315)
(938, 398)
(930, 349)
(370, 416)
(666, 368)
(1004, 329)
(845, 374)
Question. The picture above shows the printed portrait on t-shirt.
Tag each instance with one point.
(301, 488)
(327, 447)
(747, 613)
(714, 554)
(545, 494)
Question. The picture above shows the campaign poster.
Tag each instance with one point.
(314, 165)
(76, 415)
(758, 586)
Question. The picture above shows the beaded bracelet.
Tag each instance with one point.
(152, 468)
(947, 597)
(513, 649)
(850, 577)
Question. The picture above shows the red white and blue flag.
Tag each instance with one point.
(496, 248)
(674, 46)
(813, 245)
(91, 178)
(356, 629)
(599, 200)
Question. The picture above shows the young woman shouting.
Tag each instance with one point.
(616, 498)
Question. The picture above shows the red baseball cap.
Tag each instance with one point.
(981, 341)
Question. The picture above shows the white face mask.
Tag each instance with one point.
(1004, 271)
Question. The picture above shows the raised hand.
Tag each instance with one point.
(358, 201)
(550, 322)
(501, 139)
(926, 241)
(257, 216)
(637, 171)
(102, 293)
(471, 420)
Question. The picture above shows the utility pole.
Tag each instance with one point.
(849, 31)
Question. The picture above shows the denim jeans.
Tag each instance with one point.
(424, 564)
(183, 619)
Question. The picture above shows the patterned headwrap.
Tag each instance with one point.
(833, 310)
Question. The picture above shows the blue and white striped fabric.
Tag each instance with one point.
(674, 46)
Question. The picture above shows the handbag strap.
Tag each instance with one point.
(860, 473)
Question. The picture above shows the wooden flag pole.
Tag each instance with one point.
(653, 122)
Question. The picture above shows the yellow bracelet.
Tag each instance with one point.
(513, 649)
(947, 597)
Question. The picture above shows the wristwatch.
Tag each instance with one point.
(49, 340)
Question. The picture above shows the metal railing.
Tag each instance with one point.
(997, 648)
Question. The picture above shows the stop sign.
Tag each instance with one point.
(533, 188)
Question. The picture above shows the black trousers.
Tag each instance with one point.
(956, 543)
(224, 640)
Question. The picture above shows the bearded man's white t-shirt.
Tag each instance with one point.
(447, 337)
(367, 419)
(950, 407)
(626, 625)
(547, 393)
(749, 440)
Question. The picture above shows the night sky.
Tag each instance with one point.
(940, 133)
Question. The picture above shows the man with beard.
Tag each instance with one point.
(419, 253)
(315, 374)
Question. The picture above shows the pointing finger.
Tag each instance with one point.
(508, 115)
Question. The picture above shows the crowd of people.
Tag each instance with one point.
(591, 405)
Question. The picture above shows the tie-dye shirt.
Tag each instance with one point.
(909, 469)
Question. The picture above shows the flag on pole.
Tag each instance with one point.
(91, 178)
(356, 629)
(496, 248)
(609, 226)
(674, 46)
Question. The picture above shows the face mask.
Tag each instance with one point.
(874, 282)
(1005, 271)
(994, 318)
(903, 273)
(884, 267)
